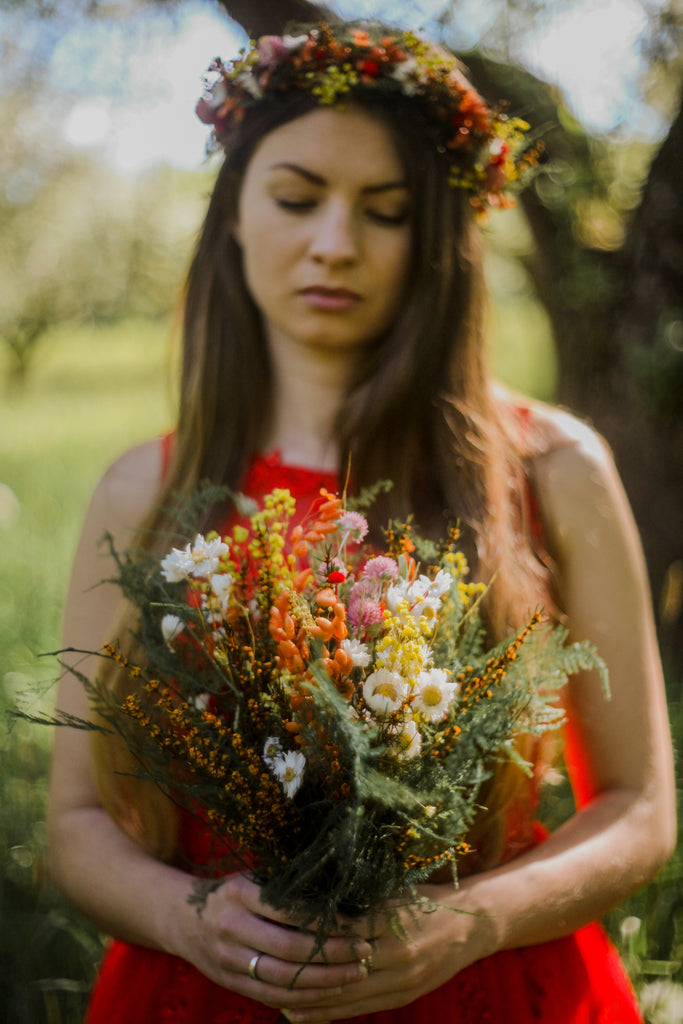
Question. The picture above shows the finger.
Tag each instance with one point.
(358, 928)
(369, 928)
(281, 973)
(348, 943)
(296, 947)
(290, 1017)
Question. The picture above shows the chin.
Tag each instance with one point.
(334, 342)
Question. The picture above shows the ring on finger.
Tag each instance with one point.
(253, 964)
(367, 963)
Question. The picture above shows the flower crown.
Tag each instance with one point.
(484, 148)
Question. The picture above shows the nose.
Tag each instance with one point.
(335, 239)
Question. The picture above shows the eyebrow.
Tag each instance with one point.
(317, 179)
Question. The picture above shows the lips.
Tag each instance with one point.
(331, 299)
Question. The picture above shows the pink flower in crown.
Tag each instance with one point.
(208, 108)
(205, 112)
(271, 49)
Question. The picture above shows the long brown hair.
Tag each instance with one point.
(422, 393)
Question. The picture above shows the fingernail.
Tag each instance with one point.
(360, 972)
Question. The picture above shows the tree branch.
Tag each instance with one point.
(270, 17)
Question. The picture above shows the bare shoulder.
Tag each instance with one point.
(127, 490)
(567, 455)
(586, 513)
(574, 477)
(550, 431)
(119, 503)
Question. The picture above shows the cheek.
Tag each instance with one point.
(259, 277)
(267, 247)
(261, 258)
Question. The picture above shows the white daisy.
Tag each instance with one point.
(441, 583)
(216, 602)
(421, 597)
(384, 691)
(198, 559)
(249, 84)
(294, 42)
(171, 627)
(407, 740)
(358, 652)
(404, 73)
(434, 692)
(289, 770)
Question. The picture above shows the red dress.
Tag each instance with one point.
(578, 979)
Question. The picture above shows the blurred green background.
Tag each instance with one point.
(91, 264)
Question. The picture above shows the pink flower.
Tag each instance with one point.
(353, 525)
(271, 50)
(363, 610)
(205, 112)
(380, 569)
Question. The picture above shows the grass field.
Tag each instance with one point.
(93, 393)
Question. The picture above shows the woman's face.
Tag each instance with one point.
(323, 223)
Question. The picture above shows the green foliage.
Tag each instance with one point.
(648, 927)
(81, 243)
(48, 954)
(95, 393)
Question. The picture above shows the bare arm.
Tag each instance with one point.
(107, 875)
(625, 828)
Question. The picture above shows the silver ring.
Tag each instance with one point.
(253, 964)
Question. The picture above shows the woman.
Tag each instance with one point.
(333, 308)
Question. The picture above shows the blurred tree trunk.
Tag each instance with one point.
(269, 17)
(617, 314)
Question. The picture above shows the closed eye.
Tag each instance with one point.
(388, 219)
(296, 205)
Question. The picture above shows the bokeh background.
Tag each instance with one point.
(102, 189)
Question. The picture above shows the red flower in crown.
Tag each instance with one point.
(371, 68)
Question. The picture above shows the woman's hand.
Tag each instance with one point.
(235, 926)
(439, 942)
